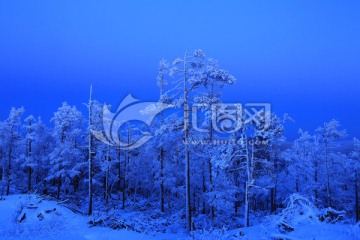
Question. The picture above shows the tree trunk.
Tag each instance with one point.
(90, 210)
(204, 190)
(187, 153)
(188, 192)
(274, 193)
(161, 85)
(29, 170)
(119, 171)
(247, 205)
(9, 170)
(327, 176)
(297, 183)
(58, 187)
(162, 187)
(357, 199)
(316, 179)
(212, 209)
(272, 200)
(125, 170)
(250, 180)
(107, 175)
(236, 204)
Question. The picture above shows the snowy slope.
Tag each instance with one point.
(50, 220)
(318, 231)
(43, 222)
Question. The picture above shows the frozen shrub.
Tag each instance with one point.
(298, 209)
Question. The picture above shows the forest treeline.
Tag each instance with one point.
(180, 170)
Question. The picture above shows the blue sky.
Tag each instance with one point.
(301, 56)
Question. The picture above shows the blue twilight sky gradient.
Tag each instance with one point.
(301, 56)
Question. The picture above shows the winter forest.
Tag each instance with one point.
(182, 179)
(179, 120)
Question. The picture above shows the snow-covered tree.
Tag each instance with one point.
(193, 73)
(66, 157)
(328, 134)
(355, 157)
(10, 135)
(31, 160)
(301, 164)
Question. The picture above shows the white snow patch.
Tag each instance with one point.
(42, 222)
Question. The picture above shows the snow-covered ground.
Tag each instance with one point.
(51, 220)
(318, 231)
(31, 217)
